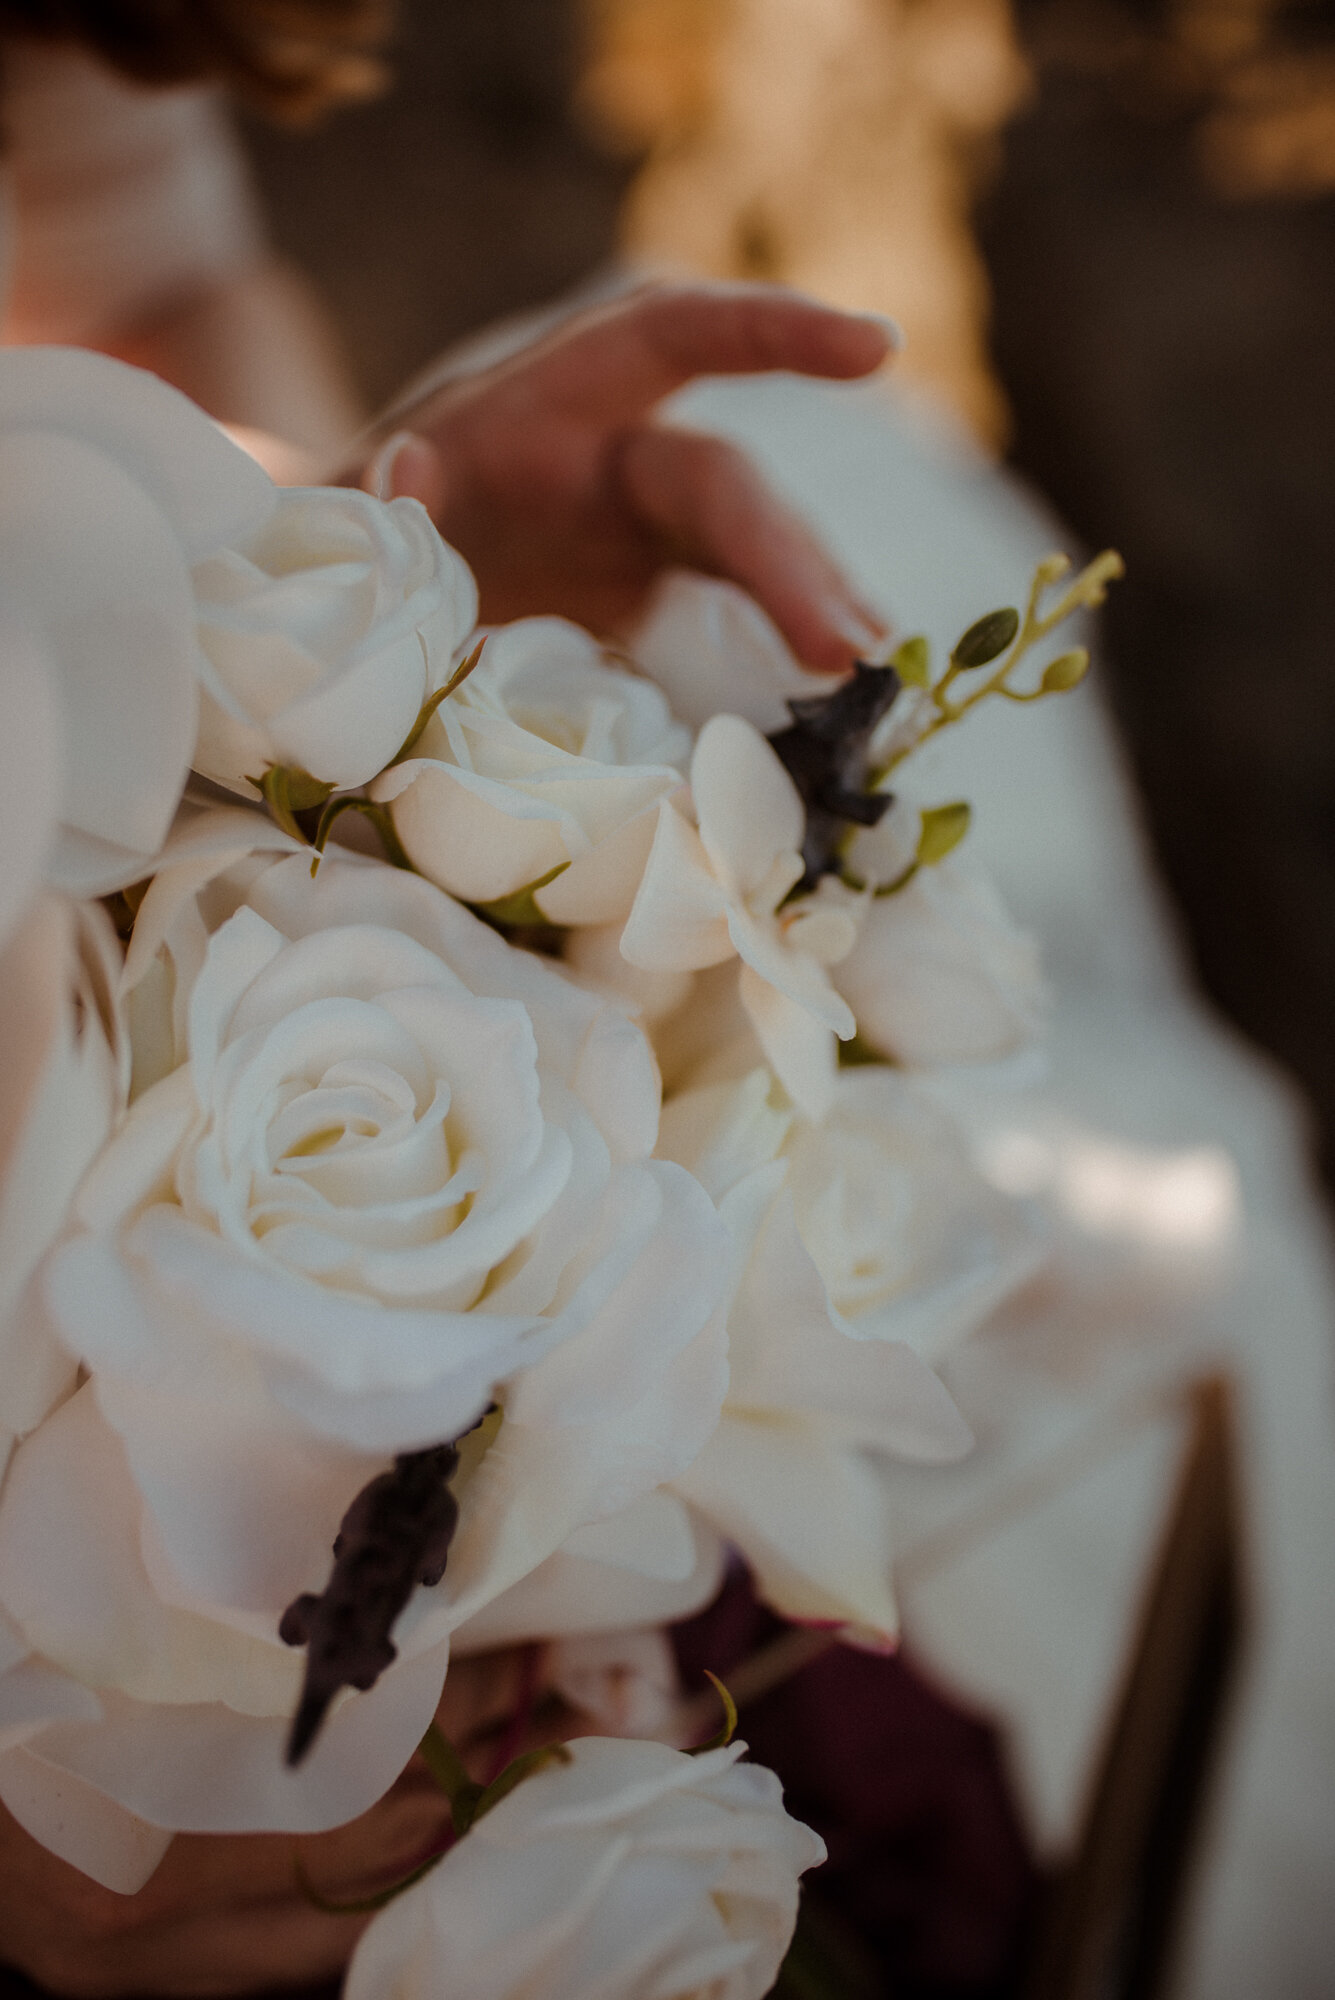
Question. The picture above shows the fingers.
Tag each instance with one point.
(711, 506)
(621, 358)
(749, 329)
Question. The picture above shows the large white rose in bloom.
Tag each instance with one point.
(401, 1170)
(713, 650)
(111, 486)
(939, 972)
(863, 1239)
(635, 1872)
(326, 630)
(545, 759)
(719, 892)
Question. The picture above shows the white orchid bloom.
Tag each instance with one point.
(719, 889)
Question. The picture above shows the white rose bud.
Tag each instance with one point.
(634, 1872)
(326, 631)
(542, 770)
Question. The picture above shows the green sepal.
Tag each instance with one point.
(515, 1773)
(380, 819)
(286, 791)
(986, 639)
(1066, 671)
(360, 1904)
(469, 1800)
(722, 1737)
(943, 828)
(433, 702)
(520, 908)
(912, 661)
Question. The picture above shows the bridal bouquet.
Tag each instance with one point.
(464, 1179)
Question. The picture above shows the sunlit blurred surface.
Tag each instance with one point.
(833, 144)
(1187, 1200)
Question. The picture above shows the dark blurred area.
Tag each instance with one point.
(467, 194)
(1161, 242)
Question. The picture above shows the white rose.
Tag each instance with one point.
(939, 973)
(111, 486)
(719, 890)
(401, 1170)
(713, 651)
(326, 630)
(635, 1872)
(545, 760)
(862, 1238)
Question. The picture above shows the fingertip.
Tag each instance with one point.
(407, 467)
(833, 635)
(895, 336)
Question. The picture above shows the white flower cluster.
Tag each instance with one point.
(530, 1140)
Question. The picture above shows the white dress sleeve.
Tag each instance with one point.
(119, 200)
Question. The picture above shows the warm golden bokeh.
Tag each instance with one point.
(833, 144)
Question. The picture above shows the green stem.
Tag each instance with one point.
(380, 819)
(1085, 591)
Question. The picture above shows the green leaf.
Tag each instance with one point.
(913, 662)
(286, 791)
(1066, 671)
(520, 907)
(986, 639)
(721, 1737)
(943, 828)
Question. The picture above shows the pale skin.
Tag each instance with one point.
(554, 475)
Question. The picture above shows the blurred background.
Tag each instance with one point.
(1108, 228)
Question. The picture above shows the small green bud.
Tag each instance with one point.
(1066, 671)
(913, 662)
(943, 828)
(1051, 569)
(986, 639)
(1094, 580)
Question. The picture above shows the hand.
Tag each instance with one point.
(223, 1913)
(551, 475)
